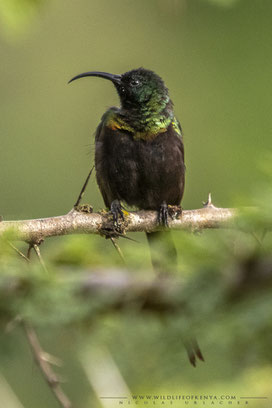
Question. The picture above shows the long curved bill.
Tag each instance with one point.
(116, 79)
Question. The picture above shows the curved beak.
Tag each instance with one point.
(116, 79)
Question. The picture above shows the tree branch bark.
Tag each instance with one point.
(77, 222)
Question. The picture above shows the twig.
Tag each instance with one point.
(42, 358)
(45, 367)
(81, 194)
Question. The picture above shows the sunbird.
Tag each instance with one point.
(139, 156)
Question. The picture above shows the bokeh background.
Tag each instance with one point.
(216, 58)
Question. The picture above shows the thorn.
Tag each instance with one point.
(18, 251)
(38, 253)
(118, 249)
(51, 359)
(209, 202)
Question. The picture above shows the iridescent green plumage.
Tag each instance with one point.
(146, 109)
(152, 127)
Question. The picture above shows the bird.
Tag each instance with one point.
(139, 157)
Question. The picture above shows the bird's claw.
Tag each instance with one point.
(163, 215)
(116, 210)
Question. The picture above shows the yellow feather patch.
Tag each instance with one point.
(115, 122)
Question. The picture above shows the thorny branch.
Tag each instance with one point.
(86, 222)
(45, 367)
(43, 359)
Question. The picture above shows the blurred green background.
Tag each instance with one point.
(215, 57)
(216, 60)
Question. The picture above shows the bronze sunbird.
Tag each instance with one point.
(139, 155)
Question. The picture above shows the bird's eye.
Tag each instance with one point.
(135, 82)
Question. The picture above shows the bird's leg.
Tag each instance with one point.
(163, 215)
(116, 210)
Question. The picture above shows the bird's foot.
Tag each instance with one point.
(117, 213)
(163, 215)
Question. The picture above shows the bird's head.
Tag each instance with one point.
(138, 89)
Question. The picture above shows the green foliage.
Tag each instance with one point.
(224, 272)
(15, 14)
(225, 299)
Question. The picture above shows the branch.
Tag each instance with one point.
(86, 222)
(42, 361)
(42, 358)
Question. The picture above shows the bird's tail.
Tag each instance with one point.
(164, 260)
(163, 251)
